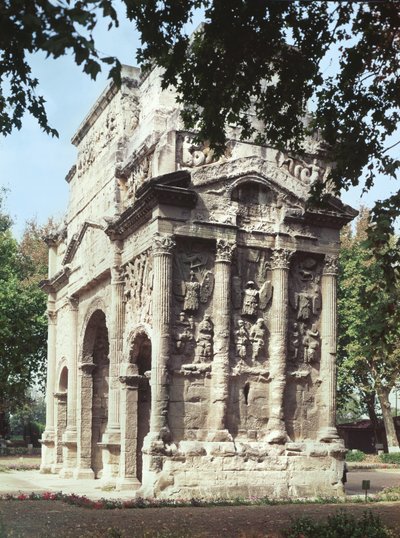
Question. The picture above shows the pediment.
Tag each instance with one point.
(279, 189)
(77, 239)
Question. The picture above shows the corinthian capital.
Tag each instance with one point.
(331, 265)
(163, 244)
(225, 250)
(73, 302)
(281, 258)
(51, 317)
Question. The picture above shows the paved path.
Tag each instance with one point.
(33, 481)
(28, 481)
(379, 479)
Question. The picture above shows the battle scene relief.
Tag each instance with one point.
(304, 345)
(192, 323)
(251, 301)
(138, 276)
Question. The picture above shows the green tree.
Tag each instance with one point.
(369, 330)
(267, 58)
(23, 325)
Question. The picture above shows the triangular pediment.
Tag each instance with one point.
(77, 239)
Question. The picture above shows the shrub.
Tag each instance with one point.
(355, 455)
(339, 525)
(392, 457)
(20, 451)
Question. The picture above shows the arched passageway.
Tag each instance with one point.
(94, 392)
(141, 356)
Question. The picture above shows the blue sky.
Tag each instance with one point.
(33, 165)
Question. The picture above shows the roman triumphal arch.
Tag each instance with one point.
(192, 310)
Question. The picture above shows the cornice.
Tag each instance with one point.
(57, 282)
(157, 191)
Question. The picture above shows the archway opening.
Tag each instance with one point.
(63, 381)
(96, 347)
(141, 356)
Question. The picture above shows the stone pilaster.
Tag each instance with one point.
(48, 450)
(112, 437)
(70, 434)
(84, 426)
(220, 365)
(280, 264)
(327, 431)
(127, 478)
(163, 246)
(61, 421)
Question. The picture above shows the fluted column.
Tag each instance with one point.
(69, 438)
(280, 264)
(327, 413)
(61, 421)
(129, 429)
(162, 292)
(48, 456)
(116, 347)
(220, 365)
(84, 469)
(72, 364)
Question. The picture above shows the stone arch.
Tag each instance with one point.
(137, 400)
(62, 376)
(252, 189)
(250, 178)
(87, 339)
(139, 344)
(94, 359)
(60, 411)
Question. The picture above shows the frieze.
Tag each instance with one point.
(192, 154)
(307, 173)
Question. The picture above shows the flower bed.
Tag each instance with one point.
(392, 494)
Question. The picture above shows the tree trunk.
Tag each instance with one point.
(370, 400)
(4, 424)
(392, 441)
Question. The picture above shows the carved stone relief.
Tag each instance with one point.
(140, 172)
(251, 300)
(97, 140)
(193, 285)
(308, 173)
(192, 154)
(138, 276)
(305, 302)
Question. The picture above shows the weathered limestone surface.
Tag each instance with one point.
(192, 310)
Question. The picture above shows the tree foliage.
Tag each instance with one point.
(369, 325)
(23, 323)
(261, 57)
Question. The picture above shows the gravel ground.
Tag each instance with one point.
(48, 519)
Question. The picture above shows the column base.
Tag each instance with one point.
(111, 437)
(126, 483)
(56, 468)
(328, 434)
(83, 474)
(48, 451)
(276, 432)
(69, 437)
(219, 436)
(45, 469)
(66, 473)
